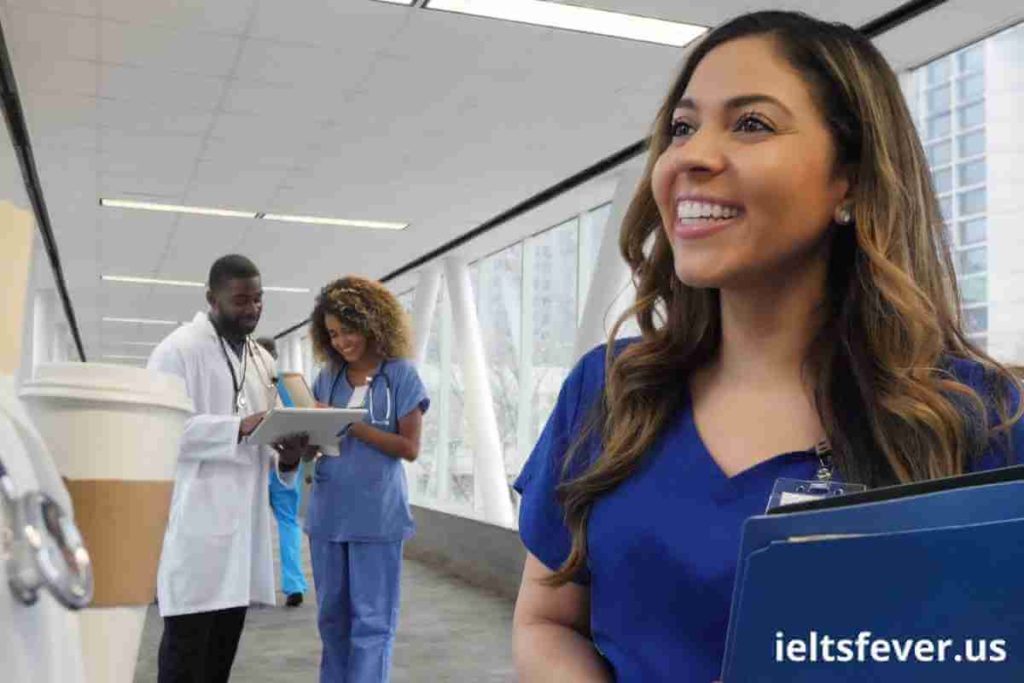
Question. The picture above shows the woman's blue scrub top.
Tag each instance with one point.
(662, 546)
(362, 494)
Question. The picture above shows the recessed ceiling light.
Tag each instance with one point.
(344, 222)
(120, 356)
(585, 19)
(141, 321)
(232, 213)
(175, 208)
(188, 283)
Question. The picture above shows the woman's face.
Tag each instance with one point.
(746, 189)
(351, 344)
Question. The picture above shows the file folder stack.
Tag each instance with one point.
(922, 582)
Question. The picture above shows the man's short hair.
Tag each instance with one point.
(231, 267)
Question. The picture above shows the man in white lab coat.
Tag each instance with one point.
(217, 554)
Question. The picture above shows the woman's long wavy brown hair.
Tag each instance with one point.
(889, 404)
(366, 306)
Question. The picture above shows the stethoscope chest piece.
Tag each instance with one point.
(41, 547)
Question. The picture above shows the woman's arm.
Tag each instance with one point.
(405, 444)
(551, 631)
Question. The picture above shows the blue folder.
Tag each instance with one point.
(941, 566)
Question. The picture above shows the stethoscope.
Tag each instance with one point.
(369, 393)
(42, 548)
(239, 402)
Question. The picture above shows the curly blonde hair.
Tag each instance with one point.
(366, 306)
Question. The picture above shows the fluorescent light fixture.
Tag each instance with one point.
(291, 290)
(232, 213)
(188, 283)
(344, 222)
(141, 321)
(585, 19)
(175, 208)
(151, 281)
(407, 3)
(119, 356)
(135, 343)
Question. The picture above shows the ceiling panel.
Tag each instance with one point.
(178, 50)
(59, 76)
(143, 117)
(88, 8)
(354, 25)
(222, 16)
(159, 88)
(79, 38)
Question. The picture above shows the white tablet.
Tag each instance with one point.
(322, 425)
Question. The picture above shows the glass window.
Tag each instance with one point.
(946, 208)
(971, 59)
(973, 231)
(938, 100)
(976, 319)
(424, 480)
(592, 225)
(553, 295)
(499, 304)
(971, 261)
(971, 116)
(939, 154)
(971, 173)
(943, 180)
(938, 126)
(972, 201)
(972, 144)
(974, 289)
(938, 71)
(971, 87)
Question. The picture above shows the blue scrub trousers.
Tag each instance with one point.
(284, 500)
(357, 596)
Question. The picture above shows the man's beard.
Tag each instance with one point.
(235, 328)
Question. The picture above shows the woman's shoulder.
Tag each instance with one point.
(592, 365)
(985, 379)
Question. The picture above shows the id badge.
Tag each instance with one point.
(790, 491)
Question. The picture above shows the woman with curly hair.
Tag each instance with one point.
(358, 516)
(794, 287)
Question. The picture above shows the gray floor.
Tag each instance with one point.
(449, 631)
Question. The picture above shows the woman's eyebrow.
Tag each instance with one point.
(737, 102)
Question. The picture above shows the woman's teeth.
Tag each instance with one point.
(690, 210)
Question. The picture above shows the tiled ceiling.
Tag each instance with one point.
(348, 108)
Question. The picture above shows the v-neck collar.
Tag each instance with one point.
(724, 487)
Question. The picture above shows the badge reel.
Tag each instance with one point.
(792, 491)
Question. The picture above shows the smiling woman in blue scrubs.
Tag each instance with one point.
(358, 514)
(794, 288)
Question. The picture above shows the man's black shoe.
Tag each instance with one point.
(293, 600)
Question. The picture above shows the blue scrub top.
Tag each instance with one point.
(362, 494)
(662, 546)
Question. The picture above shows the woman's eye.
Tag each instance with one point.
(680, 129)
(752, 124)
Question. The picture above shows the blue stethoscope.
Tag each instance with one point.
(369, 393)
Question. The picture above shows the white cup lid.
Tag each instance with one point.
(107, 382)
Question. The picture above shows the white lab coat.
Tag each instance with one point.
(40, 642)
(217, 549)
